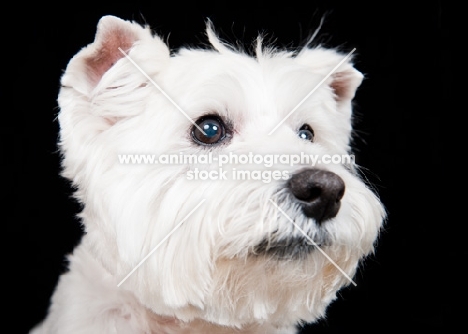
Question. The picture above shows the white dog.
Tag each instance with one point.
(167, 252)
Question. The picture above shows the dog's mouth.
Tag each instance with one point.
(293, 248)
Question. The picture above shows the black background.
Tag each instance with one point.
(416, 275)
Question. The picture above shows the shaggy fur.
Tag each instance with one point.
(214, 274)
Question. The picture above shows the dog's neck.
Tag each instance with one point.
(122, 310)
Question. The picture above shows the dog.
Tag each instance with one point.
(167, 251)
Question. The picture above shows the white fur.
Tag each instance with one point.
(204, 278)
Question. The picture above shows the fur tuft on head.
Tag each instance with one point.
(214, 40)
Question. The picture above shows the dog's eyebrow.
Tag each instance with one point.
(313, 90)
(161, 90)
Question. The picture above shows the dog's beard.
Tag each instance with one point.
(247, 254)
(293, 239)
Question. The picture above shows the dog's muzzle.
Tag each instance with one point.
(319, 193)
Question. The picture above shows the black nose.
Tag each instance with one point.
(319, 192)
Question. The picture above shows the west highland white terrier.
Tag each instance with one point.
(193, 246)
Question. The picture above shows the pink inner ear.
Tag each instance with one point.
(341, 86)
(107, 52)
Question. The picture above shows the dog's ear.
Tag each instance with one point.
(100, 87)
(344, 80)
(100, 79)
(115, 38)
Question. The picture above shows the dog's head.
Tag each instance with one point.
(231, 250)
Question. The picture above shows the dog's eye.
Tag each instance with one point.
(213, 128)
(306, 133)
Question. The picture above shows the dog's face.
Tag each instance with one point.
(230, 251)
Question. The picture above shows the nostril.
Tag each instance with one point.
(340, 194)
(308, 194)
(314, 193)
